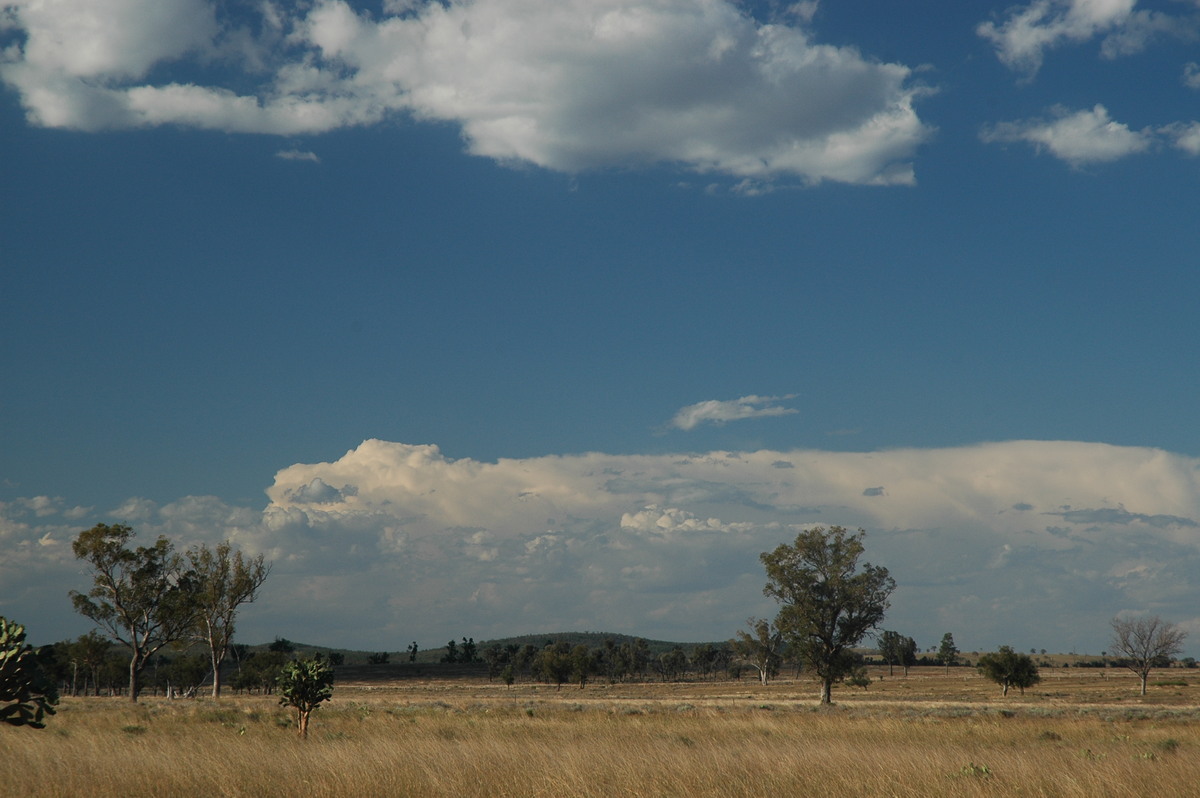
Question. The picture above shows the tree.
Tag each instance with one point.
(27, 691)
(828, 602)
(90, 651)
(305, 684)
(761, 648)
(1008, 668)
(139, 596)
(221, 581)
(896, 649)
(1145, 642)
(948, 652)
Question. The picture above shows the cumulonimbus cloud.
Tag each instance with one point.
(393, 542)
(718, 411)
(568, 85)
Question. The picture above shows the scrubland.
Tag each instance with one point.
(1079, 733)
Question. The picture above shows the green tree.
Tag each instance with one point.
(305, 684)
(761, 648)
(828, 602)
(221, 580)
(948, 652)
(1145, 642)
(1009, 668)
(140, 597)
(584, 663)
(89, 651)
(554, 663)
(896, 649)
(27, 691)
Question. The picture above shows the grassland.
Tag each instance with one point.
(1080, 733)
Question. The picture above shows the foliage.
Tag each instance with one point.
(1146, 643)
(761, 648)
(1009, 668)
(948, 652)
(378, 659)
(305, 684)
(27, 692)
(828, 602)
(896, 649)
(219, 582)
(139, 596)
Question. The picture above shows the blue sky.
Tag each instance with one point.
(239, 240)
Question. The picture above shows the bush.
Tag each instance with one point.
(27, 692)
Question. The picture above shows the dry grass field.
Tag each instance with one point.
(1079, 733)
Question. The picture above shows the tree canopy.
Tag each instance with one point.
(828, 602)
(1009, 668)
(138, 596)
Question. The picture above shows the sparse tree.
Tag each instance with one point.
(761, 648)
(948, 652)
(91, 652)
(896, 649)
(305, 684)
(139, 596)
(828, 602)
(27, 691)
(221, 581)
(1009, 668)
(1145, 642)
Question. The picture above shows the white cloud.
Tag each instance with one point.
(568, 85)
(715, 411)
(1028, 31)
(1185, 136)
(298, 155)
(1079, 137)
(1026, 542)
(1191, 75)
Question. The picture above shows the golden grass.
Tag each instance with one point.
(929, 735)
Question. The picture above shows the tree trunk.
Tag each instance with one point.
(827, 690)
(133, 679)
(303, 723)
(1145, 676)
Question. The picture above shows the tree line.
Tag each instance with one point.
(146, 598)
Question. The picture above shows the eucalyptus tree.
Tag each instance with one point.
(140, 597)
(948, 652)
(761, 648)
(221, 580)
(828, 603)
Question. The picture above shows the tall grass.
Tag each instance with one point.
(448, 740)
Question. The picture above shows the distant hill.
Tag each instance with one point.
(589, 639)
(431, 655)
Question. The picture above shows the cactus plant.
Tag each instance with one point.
(304, 684)
(27, 693)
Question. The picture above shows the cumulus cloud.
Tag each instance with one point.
(716, 411)
(1079, 137)
(568, 85)
(979, 538)
(1027, 32)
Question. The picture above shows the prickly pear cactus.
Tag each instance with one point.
(27, 694)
